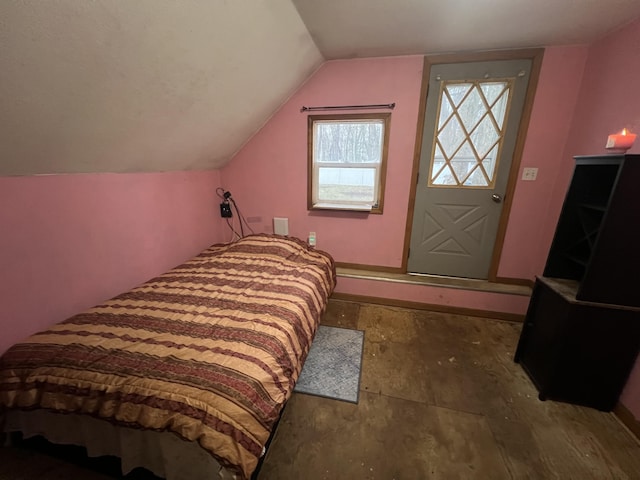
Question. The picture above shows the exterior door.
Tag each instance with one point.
(471, 125)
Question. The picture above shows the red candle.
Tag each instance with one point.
(621, 141)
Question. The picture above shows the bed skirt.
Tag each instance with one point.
(162, 453)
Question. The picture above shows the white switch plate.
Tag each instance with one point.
(529, 173)
(281, 225)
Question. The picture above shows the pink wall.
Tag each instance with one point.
(269, 174)
(534, 207)
(71, 241)
(609, 96)
(609, 100)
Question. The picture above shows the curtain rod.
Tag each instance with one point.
(390, 106)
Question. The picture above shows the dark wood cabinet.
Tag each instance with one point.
(581, 335)
(575, 351)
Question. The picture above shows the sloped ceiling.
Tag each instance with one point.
(142, 85)
(155, 85)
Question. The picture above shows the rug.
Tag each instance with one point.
(333, 366)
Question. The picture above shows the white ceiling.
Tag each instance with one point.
(155, 85)
(366, 28)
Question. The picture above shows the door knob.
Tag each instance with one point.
(496, 198)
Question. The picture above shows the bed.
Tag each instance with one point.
(197, 363)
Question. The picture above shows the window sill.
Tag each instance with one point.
(345, 207)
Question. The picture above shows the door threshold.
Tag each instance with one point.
(435, 281)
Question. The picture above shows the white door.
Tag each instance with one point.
(471, 126)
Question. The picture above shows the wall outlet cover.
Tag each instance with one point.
(529, 173)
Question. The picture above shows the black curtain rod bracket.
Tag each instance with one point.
(390, 106)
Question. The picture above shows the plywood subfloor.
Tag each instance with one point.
(441, 398)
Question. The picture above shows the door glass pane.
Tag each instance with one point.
(469, 132)
(462, 166)
(458, 91)
(485, 136)
(489, 162)
(445, 177)
(451, 136)
(446, 111)
(499, 108)
(491, 91)
(477, 178)
(472, 109)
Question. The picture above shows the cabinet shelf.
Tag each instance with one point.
(594, 207)
(596, 242)
(580, 261)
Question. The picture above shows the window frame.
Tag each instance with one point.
(313, 167)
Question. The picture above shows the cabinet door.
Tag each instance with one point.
(578, 352)
(542, 336)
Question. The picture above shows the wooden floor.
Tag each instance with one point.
(441, 398)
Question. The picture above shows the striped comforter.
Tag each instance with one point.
(210, 350)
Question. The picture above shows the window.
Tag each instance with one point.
(347, 161)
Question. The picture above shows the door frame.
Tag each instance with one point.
(535, 55)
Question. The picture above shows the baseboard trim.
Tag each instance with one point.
(516, 281)
(627, 419)
(370, 268)
(472, 312)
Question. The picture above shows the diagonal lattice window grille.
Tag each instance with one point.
(469, 132)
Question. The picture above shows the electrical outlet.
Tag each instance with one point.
(312, 239)
(529, 173)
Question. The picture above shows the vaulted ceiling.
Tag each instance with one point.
(156, 85)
